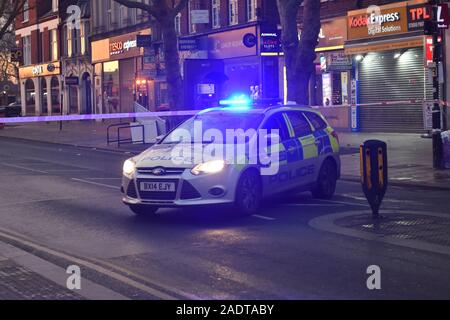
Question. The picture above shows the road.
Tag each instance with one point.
(62, 204)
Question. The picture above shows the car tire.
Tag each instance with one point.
(325, 186)
(143, 211)
(248, 193)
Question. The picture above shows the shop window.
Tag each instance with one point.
(54, 85)
(215, 13)
(233, 12)
(111, 86)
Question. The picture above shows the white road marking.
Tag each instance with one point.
(103, 178)
(346, 203)
(263, 217)
(308, 204)
(96, 183)
(24, 168)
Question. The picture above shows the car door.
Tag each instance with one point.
(305, 167)
(279, 181)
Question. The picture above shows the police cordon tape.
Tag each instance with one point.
(105, 116)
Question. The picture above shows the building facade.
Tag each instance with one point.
(118, 63)
(40, 71)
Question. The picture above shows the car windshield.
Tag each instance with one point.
(194, 129)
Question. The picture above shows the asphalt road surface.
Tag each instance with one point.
(63, 204)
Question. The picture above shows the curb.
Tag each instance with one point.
(405, 184)
(326, 223)
(103, 149)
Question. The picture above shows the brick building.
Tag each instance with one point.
(40, 73)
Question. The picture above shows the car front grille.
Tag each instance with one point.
(157, 195)
(167, 171)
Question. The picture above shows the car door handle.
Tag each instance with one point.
(292, 149)
(317, 141)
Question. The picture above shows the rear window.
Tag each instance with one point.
(316, 121)
(299, 124)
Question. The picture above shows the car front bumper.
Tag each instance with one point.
(190, 190)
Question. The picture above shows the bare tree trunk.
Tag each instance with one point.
(306, 55)
(288, 11)
(175, 89)
(299, 55)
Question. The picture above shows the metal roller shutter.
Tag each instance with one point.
(384, 78)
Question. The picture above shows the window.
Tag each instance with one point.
(215, 13)
(26, 50)
(123, 16)
(233, 12)
(178, 23)
(53, 45)
(83, 37)
(54, 5)
(251, 10)
(69, 44)
(299, 124)
(109, 13)
(26, 11)
(192, 26)
(276, 122)
(316, 121)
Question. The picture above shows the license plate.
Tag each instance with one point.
(158, 186)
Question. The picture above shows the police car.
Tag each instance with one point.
(306, 149)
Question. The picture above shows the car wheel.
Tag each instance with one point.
(143, 211)
(248, 193)
(326, 181)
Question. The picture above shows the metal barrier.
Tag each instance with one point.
(123, 126)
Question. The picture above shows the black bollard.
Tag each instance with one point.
(374, 173)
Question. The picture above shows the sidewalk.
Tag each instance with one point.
(409, 159)
(409, 155)
(87, 133)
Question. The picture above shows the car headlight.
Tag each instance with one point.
(213, 166)
(129, 166)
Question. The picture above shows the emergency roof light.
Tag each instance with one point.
(237, 101)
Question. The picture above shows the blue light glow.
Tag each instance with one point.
(240, 101)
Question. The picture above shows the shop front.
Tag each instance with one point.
(118, 63)
(390, 65)
(40, 87)
(234, 63)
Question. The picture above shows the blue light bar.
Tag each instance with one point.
(239, 100)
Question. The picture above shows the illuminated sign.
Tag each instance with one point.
(121, 47)
(39, 70)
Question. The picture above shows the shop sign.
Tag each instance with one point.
(72, 81)
(332, 33)
(120, 47)
(417, 15)
(429, 51)
(376, 21)
(144, 41)
(39, 70)
(338, 61)
(361, 49)
(442, 15)
(187, 44)
(270, 41)
(230, 44)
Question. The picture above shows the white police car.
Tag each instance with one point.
(235, 156)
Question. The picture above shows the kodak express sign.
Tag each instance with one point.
(377, 22)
